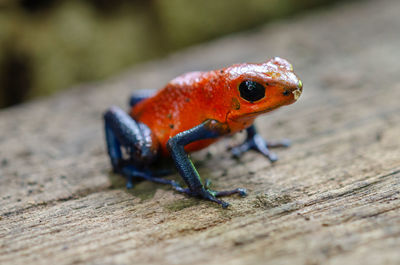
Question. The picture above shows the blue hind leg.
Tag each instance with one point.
(124, 132)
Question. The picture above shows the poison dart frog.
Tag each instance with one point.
(193, 111)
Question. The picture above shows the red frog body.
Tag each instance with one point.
(195, 97)
(194, 110)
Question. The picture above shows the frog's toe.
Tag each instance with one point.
(272, 157)
(224, 204)
(242, 192)
(238, 150)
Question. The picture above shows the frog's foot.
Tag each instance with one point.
(211, 195)
(257, 143)
(206, 194)
(241, 191)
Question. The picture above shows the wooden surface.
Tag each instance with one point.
(333, 198)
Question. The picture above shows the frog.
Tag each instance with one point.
(191, 112)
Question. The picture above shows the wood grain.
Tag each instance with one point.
(332, 198)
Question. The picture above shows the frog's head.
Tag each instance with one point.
(260, 88)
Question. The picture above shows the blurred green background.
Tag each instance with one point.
(47, 46)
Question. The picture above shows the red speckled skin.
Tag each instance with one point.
(195, 97)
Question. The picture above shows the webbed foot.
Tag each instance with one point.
(211, 195)
(257, 143)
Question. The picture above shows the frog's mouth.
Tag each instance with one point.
(249, 115)
(298, 91)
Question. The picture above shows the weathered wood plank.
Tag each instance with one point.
(333, 197)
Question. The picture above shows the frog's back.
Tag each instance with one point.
(183, 104)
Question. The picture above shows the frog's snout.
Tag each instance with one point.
(296, 89)
(297, 92)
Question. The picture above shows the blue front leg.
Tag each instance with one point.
(207, 130)
(254, 141)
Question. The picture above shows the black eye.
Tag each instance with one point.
(251, 91)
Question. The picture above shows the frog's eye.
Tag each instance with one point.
(251, 91)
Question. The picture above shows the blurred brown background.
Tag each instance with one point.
(50, 45)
